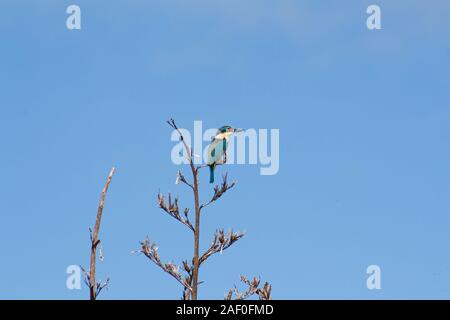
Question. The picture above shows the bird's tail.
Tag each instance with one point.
(211, 174)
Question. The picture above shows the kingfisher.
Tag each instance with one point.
(217, 150)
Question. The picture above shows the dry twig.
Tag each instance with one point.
(194, 171)
(221, 242)
(219, 191)
(151, 252)
(173, 210)
(263, 293)
(96, 287)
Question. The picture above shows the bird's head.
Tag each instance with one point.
(226, 132)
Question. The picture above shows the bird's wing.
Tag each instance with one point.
(215, 151)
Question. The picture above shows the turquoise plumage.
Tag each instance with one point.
(218, 148)
(216, 152)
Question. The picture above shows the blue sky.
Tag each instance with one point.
(364, 143)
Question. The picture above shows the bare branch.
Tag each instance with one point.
(263, 293)
(181, 178)
(96, 287)
(188, 279)
(151, 252)
(188, 149)
(173, 210)
(219, 190)
(99, 286)
(194, 170)
(221, 242)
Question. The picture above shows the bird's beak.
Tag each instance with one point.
(238, 130)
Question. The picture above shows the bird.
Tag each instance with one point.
(218, 148)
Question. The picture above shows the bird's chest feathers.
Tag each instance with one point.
(222, 136)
